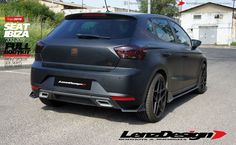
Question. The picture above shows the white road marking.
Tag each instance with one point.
(16, 72)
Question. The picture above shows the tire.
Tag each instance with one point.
(202, 82)
(155, 100)
(51, 103)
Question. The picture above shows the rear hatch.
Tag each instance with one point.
(88, 40)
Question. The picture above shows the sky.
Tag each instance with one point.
(120, 3)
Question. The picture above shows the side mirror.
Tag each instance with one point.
(195, 44)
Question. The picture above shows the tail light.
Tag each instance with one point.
(38, 49)
(130, 52)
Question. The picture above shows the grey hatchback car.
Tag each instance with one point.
(132, 62)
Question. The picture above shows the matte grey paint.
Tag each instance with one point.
(111, 75)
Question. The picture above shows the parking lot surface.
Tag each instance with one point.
(26, 121)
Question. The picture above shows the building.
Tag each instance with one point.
(96, 10)
(70, 8)
(58, 6)
(210, 22)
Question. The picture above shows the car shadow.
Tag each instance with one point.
(178, 102)
(116, 115)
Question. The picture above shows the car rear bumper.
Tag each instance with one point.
(121, 82)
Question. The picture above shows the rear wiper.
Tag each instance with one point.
(90, 36)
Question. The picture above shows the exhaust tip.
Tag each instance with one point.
(43, 94)
(104, 103)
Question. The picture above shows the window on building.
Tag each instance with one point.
(219, 16)
(190, 30)
(197, 16)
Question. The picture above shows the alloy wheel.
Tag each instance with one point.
(203, 78)
(159, 97)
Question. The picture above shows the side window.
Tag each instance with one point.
(150, 27)
(181, 36)
(162, 30)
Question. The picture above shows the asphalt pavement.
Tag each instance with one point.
(26, 121)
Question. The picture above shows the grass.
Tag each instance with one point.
(233, 44)
(34, 18)
(34, 33)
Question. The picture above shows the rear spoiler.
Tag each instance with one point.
(98, 16)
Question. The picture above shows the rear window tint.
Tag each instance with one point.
(113, 28)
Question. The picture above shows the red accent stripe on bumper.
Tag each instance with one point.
(34, 88)
(122, 98)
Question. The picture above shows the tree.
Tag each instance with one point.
(163, 7)
(30, 9)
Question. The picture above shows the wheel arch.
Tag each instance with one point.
(163, 71)
(204, 61)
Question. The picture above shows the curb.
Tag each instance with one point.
(25, 63)
(15, 67)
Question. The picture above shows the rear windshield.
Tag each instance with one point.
(112, 28)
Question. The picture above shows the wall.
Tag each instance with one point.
(208, 13)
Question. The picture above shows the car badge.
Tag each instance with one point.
(74, 51)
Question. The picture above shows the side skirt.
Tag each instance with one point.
(171, 97)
